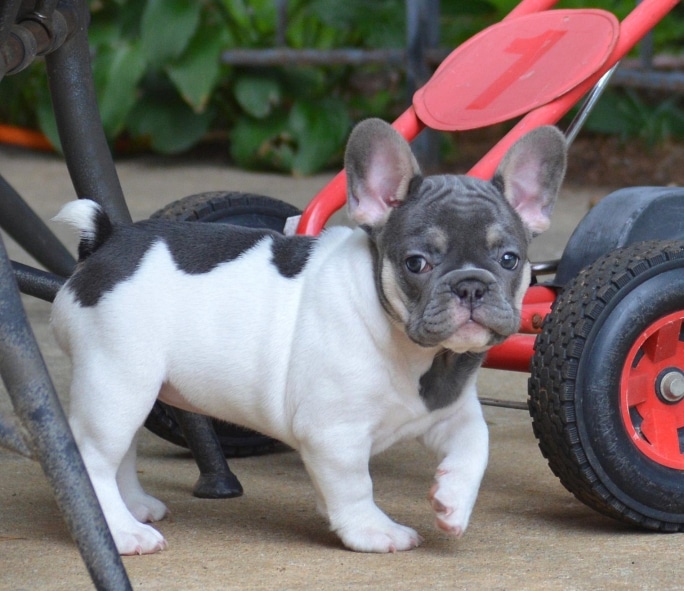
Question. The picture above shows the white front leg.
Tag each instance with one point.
(345, 492)
(462, 443)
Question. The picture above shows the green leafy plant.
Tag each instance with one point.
(628, 114)
(160, 79)
(156, 66)
(297, 119)
(161, 83)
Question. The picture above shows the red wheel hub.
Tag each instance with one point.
(652, 392)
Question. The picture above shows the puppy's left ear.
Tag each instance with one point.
(379, 165)
(532, 172)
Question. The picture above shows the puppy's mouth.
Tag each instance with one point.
(471, 336)
(461, 328)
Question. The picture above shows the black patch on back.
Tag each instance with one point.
(291, 254)
(196, 248)
(443, 383)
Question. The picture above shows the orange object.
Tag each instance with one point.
(26, 138)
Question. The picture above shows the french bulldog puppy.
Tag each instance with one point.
(338, 346)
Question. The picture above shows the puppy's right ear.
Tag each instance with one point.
(379, 165)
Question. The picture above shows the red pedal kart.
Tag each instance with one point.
(603, 340)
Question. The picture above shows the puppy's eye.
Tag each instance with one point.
(509, 261)
(417, 264)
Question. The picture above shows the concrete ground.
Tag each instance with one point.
(527, 531)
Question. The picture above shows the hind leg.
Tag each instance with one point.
(145, 508)
(107, 408)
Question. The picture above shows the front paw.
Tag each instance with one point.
(381, 538)
(452, 506)
(146, 508)
(139, 539)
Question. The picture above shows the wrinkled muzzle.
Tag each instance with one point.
(466, 310)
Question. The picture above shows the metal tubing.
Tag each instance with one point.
(37, 283)
(422, 32)
(45, 8)
(8, 16)
(37, 407)
(635, 78)
(312, 57)
(31, 233)
(514, 354)
(588, 105)
(87, 154)
(38, 33)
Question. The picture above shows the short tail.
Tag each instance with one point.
(90, 220)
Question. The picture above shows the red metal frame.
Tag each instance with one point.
(515, 353)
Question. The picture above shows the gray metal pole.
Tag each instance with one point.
(36, 405)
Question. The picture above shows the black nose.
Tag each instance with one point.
(470, 290)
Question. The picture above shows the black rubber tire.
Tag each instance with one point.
(574, 388)
(242, 209)
(229, 207)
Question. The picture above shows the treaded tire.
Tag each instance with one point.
(582, 411)
(242, 209)
(230, 207)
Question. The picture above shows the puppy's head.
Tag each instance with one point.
(451, 251)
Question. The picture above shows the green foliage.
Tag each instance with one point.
(161, 84)
(628, 114)
(156, 65)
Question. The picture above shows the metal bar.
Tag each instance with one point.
(503, 403)
(422, 32)
(634, 78)
(638, 78)
(312, 57)
(45, 8)
(38, 33)
(544, 267)
(514, 354)
(281, 21)
(87, 154)
(588, 105)
(36, 404)
(37, 283)
(646, 48)
(280, 56)
(31, 233)
(9, 9)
